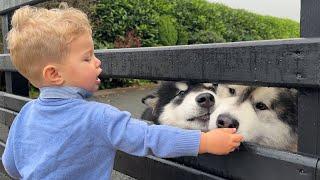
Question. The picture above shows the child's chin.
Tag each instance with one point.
(96, 88)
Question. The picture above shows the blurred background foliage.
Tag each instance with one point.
(145, 23)
(173, 22)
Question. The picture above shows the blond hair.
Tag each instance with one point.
(40, 36)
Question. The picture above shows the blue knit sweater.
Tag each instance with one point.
(60, 135)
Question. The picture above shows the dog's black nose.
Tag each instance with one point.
(205, 100)
(227, 121)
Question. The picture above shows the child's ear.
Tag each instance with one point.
(52, 76)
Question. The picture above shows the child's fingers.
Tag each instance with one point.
(235, 144)
(232, 149)
(229, 130)
(237, 138)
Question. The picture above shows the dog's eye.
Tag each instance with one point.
(181, 93)
(261, 106)
(232, 91)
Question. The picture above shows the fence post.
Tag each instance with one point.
(309, 98)
(15, 83)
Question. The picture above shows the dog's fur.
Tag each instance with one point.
(182, 104)
(264, 115)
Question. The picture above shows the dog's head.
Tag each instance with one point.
(182, 104)
(264, 115)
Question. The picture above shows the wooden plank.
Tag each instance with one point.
(12, 102)
(272, 63)
(2, 146)
(7, 117)
(4, 131)
(309, 132)
(308, 121)
(250, 163)
(5, 30)
(254, 162)
(10, 5)
(309, 140)
(6, 64)
(309, 21)
(3, 174)
(146, 168)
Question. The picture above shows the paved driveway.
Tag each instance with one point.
(127, 99)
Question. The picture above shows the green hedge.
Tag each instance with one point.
(189, 21)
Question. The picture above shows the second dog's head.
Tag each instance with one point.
(264, 115)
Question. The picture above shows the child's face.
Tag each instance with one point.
(81, 68)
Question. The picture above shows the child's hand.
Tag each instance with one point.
(219, 141)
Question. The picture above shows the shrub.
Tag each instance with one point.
(206, 37)
(168, 34)
(183, 36)
(129, 41)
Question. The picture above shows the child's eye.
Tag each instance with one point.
(87, 59)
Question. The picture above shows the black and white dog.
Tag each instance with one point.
(266, 116)
(182, 104)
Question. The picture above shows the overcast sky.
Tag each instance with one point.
(279, 8)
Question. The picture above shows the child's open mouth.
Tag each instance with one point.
(98, 80)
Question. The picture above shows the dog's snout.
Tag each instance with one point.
(227, 121)
(205, 100)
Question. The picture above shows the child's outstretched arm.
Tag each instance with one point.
(219, 141)
(138, 138)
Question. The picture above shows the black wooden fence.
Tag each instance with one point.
(287, 63)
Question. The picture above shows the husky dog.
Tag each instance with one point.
(264, 115)
(183, 104)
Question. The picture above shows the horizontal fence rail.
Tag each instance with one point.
(10, 5)
(272, 63)
(249, 162)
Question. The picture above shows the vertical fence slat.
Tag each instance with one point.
(5, 29)
(15, 83)
(308, 115)
(309, 21)
(308, 99)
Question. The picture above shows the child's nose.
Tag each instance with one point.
(98, 62)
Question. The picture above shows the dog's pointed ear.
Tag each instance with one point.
(150, 100)
(293, 91)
